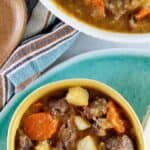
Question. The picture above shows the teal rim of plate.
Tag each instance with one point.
(97, 53)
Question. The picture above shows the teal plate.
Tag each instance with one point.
(126, 70)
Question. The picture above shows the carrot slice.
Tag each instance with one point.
(97, 8)
(40, 126)
(113, 115)
(142, 13)
(97, 3)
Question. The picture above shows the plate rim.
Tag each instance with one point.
(84, 56)
(93, 31)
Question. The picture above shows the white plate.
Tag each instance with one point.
(93, 31)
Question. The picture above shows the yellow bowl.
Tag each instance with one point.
(49, 88)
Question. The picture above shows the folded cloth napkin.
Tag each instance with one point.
(46, 39)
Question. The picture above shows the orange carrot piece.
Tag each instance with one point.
(97, 7)
(113, 115)
(98, 3)
(142, 13)
(40, 126)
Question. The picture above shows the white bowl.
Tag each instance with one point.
(93, 31)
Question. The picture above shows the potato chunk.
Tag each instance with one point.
(87, 143)
(81, 123)
(102, 146)
(77, 96)
(43, 145)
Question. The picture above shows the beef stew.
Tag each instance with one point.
(75, 119)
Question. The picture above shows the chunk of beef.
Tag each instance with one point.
(119, 143)
(60, 145)
(59, 107)
(68, 133)
(97, 108)
(101, 126)
(66, 136)
(118, 8)
(23, 142)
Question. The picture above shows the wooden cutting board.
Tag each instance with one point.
(13, 16)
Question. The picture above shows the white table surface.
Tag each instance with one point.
(86, 43)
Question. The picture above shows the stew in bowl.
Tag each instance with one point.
(76, 117)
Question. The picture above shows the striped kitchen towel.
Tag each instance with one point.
(45, 40)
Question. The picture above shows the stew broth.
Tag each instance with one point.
(131, 16)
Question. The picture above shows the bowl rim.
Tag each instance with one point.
(50, 87)
(94, 31)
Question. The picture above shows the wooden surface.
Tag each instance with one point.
(12, 25)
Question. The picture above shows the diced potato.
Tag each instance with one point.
(81, 123)
(87, 143)
(101, 133)
(77, 96)
(102, 146)
(43, 145)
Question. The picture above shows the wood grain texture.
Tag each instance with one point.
(13, 16)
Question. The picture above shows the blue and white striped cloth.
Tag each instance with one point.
(45, 40)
